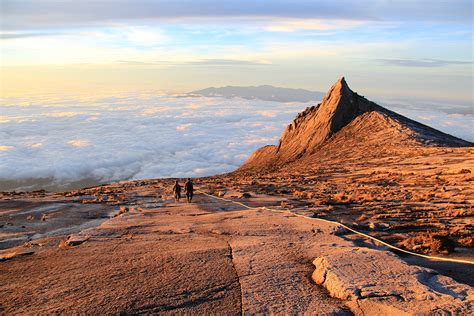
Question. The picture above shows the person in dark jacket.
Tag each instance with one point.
(189, 190)
(177, 191)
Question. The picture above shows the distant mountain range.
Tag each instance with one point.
(266, 93)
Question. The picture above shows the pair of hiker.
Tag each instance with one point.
(188, 190)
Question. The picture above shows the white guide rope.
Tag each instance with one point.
(346, 227)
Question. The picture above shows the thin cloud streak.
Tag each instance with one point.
(227, 62)
(203, 62)
(33, 14)
(426, 63)
(16, 35)
(144, 63)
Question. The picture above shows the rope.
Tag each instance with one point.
(346, 227)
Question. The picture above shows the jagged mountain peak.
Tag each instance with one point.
(339, 88)
(316, 124)
(312, 129)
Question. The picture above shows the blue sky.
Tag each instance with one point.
(420, 49)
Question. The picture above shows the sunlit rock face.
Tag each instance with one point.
(317, 124)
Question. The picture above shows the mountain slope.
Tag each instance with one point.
(363, 123)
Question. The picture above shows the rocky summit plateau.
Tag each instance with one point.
(266, 238)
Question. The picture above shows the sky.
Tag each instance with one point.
(405, 48)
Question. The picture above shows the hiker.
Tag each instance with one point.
(188, 189)
(177, 191)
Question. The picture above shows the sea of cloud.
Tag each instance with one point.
(454, 118)
(132, 136)
(65, 140)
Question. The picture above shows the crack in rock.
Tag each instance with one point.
(231, 255)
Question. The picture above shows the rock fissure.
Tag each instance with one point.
(231, 255)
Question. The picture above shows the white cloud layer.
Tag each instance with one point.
(141, 135)
(133, 136)
(456, 120)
